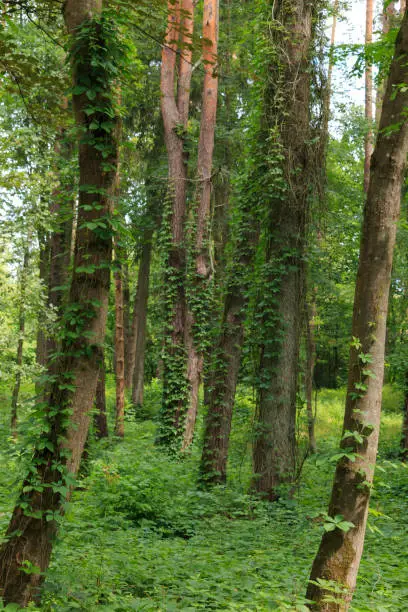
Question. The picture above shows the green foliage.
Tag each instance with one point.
(139, 535)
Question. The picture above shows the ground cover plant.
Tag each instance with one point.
(140, 536)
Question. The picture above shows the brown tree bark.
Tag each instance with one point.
(119, 349)
(175, 119)
(71, 394)
(368, 143)
(195, 352)
(100, 418)
(310, 367)
(388, 15)
(274, 447)
(20, 343)
(140, 315)
(126, 317)
(340, 552)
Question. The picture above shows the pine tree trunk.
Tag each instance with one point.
(140, 314)
(274, 448)
(340, 552)
(195, 350)
(368, 143)
(20, 344)
(100, 419)
(175, 119)
(32, 527)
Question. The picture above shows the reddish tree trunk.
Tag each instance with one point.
(339, 554)
(175, 118)
(195, 352)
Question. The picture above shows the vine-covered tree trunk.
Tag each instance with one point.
(339, 554)
(199, 302)
(274, 448)
(141, 302)
(100, 418)
(119, 349)
(20, 342)
(368, 143)
(71, 392)
(175, 118)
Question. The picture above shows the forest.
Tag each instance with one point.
(203, 305)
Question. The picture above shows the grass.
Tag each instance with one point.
(140, 536)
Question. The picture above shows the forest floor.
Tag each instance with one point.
(140, 536)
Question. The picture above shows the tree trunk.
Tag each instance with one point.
(140, 314)
(71, 394)
(310, 366)
(274, 448)
(20, 344)
(100, 419)
(141, 295)
(126, 317)
(175, 119)
(368, 143)
(119, 350)
(199, 304)
(388, 15)
(41, 348)
(340, 552)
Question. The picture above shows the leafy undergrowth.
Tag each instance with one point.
(140, 536)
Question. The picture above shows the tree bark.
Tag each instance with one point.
(175, 119)
(119, 349)
(274, 448)
(388, 15)
(197, 314)
(140, 314)
(71, 394)
(340, 552)
(100, 419)
(310, 366)
(20, 343)
(368, 143)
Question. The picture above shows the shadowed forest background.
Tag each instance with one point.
(203, 306)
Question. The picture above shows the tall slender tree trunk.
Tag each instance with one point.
(32, 527)
(339, 554)
(388, 15)
(126, 317)
(20, 343)
(139, 315)
(368, 144)
(100, 418)
(310, 367)
(175, 118)
(198, 311)
(44, 260)
(274, 448)
(141, 302)
(119, 348)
